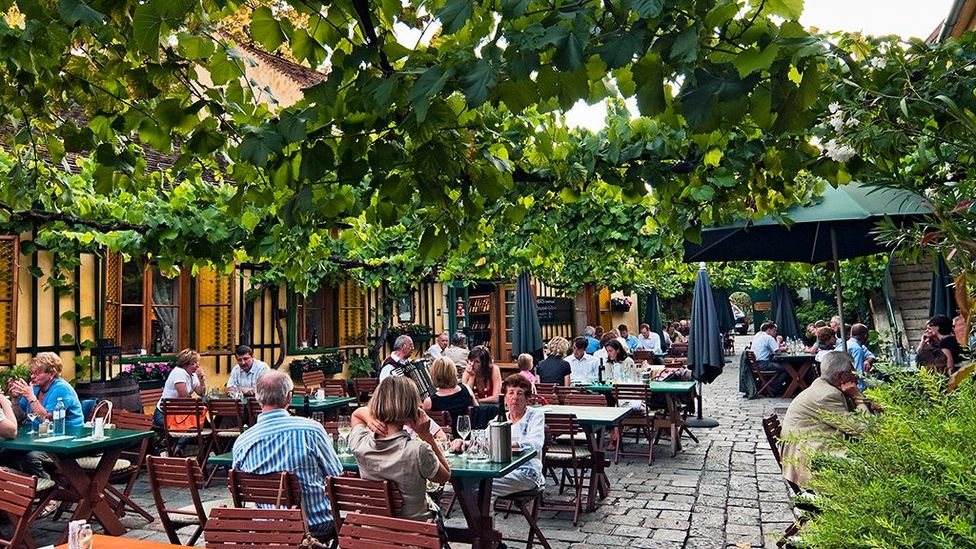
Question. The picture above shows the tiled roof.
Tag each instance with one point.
(299, 74)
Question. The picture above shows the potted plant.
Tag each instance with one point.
(328, 363)
(419, 333)
(620, 304)
(150, 375)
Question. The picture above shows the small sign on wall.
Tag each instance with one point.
(762, 305)
(555, 310)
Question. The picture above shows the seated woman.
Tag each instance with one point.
(617, 359)
(555, 368)
(391, 454)
(184, 380)
(528, 432)
(483, 377)
(449, 396)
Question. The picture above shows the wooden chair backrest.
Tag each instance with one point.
(642, 355)
(678, 350)
(124, 419)
(332, 427)
(631, 392)
(253, 409)
(335, 387)
(221, 408)
(585, 399)
(443, 418)
(278, 489)
(229, 527)
(548, 392)
(149, 397)
(364, 387)
(16, 497)
(563, 392)
(181, 406)
(311, 380)
(562, 425)
(751, 358)
(183, 474)
(363, 531)
(773, 429)
(350, 494)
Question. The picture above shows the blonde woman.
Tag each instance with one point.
(449, 396)
(390, 454)
(185, 379)
(555, 369)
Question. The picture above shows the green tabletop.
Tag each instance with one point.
(655, 387)
(329, 403)
(462, 468)
(78, 443)
(597, 416)
(225, 460)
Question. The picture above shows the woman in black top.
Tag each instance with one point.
(555, 369)
(450, 396)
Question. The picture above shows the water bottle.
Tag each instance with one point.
(59, 417)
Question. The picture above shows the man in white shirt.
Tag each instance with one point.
(764, 346)
(436, 350)
(582, 366)
(648, 340)
(244, 377)
(402, 349)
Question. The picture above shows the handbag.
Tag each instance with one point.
(186, 422)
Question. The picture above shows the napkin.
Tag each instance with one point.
(54, 439)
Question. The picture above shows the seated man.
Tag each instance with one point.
(648, 340)
(857, 347)
(765, 346)
(244, 377)
(282, 442)
(402, 349)
(826, 342)
(818, 413)
(458, 352)
(582, 365)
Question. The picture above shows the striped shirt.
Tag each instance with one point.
(280, 442)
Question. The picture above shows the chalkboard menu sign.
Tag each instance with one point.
(555, 310)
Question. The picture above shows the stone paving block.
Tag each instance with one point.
(632, 531)
(670, 535)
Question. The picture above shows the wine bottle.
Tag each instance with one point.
(501, 405)
(599, 372)
(315, 339)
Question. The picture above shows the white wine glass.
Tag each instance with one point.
(32, 417)
(463, 427)
(344, 428)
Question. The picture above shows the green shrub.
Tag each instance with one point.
(809, 312)
(909, 482)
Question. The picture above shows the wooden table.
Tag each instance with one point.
(90, 488)
(797, 366)
(315, 405)
(108, 542)
(472, 484)
(674, 420)
(594, 419)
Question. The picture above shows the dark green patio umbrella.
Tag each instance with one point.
(783, 313)
(706, 352)
(653, 314)
(526, 331)
(943, 298)
(726, 320)
(839, 225)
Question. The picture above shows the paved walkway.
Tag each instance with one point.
(725, 491)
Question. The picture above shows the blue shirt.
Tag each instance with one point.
(631, 341)
(60, 389)
(764, 346)
(281, 442)
(858, 352)
(594, 344)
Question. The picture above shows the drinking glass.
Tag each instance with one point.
(478, 451)
(32, 417)
(344, 429)
(463, 426)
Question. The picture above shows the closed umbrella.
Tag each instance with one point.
(654, 315)
(783, 313)
(706, 353)
(943, 298)
(839, 225)
(526, 332)
(726, 320)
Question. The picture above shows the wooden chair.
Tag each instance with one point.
(548, 392)
(644, 355)
(17, 494)
(585, 399)
(573, 458)
(280, 490)
(185, 475)
(253, 410)
(363, 531)
(443, 418)
(774, 429)
(351, 495)
(563, 392)
(266, 528)
(764, 378)
(187, 409)
(335, 387)
(226, 422)
(640, 419)
(678, 350)
(149, 397)
(363, 388)
(129, 463)
(528, 503)
(312, 380)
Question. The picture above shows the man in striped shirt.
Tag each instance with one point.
(281, 442)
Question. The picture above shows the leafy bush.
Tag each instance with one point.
(909, 482)
(812, 311)
(361, 366)
(20, 371)
(413, 330)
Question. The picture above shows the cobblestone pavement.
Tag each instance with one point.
(723, 492)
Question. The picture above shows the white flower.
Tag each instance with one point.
(834, 107)
(836, 122)
(172, 41)
(838, 152)
(852, 122)
(877, 62)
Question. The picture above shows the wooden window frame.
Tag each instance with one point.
(11, 351)
(114, 306)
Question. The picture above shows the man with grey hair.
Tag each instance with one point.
(441, 342)
(280, 442)
(820, 413)
(402, 349)
(592, 343)
(458, 352)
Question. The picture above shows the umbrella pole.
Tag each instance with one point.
(837, 283)
(703, 422)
